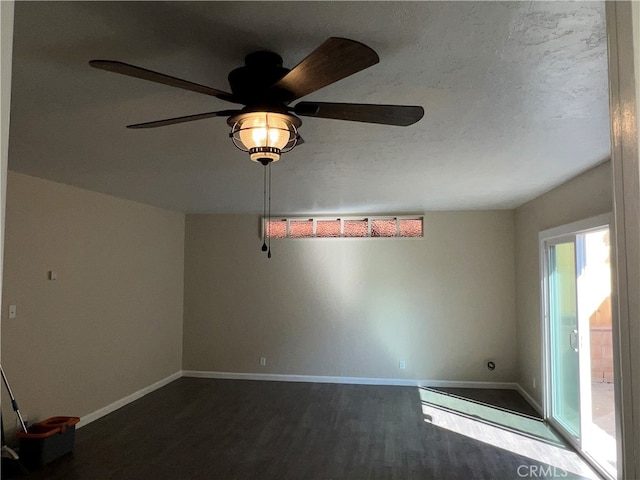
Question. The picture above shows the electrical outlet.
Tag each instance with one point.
(12, 311)
(402, 364)
(263, 361)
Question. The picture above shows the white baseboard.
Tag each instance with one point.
(402, 382)
(529, 399)
(276, 377)
(93, 416)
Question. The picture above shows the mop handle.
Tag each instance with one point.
(14, 403)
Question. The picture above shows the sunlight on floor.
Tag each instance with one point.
(514, 432)
(603, 448)
(601, 438)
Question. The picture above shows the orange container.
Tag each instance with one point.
(61, 422)
(48, 440)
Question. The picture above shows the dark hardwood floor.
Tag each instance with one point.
(234, 429)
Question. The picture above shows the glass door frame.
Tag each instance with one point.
(557, 235)
(553, 415)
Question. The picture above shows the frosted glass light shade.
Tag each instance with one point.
(265, 135)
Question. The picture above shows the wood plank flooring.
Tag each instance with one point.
(236, 429)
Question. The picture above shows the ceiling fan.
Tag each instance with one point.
(267, 125)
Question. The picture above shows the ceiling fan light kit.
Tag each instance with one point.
(265, 135)
(266, 126)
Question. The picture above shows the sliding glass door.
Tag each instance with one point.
(580, 393)
(564, 336)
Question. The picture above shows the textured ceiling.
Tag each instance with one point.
(515, 96)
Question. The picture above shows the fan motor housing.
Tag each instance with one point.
(251, 83)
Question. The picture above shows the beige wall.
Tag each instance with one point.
(585, 196)
(111, 323)
(635, 17)
(6, 51)
(353, 307)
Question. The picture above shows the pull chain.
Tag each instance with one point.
(264, 210)
(269, 224)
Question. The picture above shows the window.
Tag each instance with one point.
(384, 228)
(378, 227)
(301, 228)
(410, 227)
(328, 228)
(277, 229)
(356, 228)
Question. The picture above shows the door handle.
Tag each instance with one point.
(573, 340)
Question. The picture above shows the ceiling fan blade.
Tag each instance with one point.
(143, 73)
(334, 60)
(188, 118)
(401, 115)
